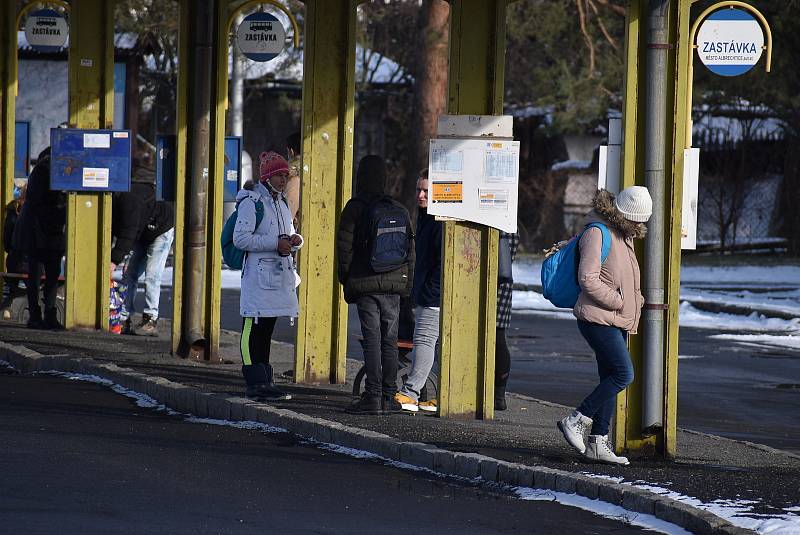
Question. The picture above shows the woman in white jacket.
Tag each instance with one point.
(268, 274)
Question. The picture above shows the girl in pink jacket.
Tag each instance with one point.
(608, 309)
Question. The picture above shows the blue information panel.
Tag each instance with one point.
(22, 148)
(165, 168)
(233, 167)
(90, 160)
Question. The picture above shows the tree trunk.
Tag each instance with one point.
(430, 88)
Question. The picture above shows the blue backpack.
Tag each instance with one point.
(233, 257)
(386, 235)
(560, 270)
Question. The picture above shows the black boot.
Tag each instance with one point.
(51, 320)
(35, 318)
(259, 383)
(390, 404)
(500, 398)
(368, 404)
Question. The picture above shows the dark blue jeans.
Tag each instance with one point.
(379, 322)
(614, 367)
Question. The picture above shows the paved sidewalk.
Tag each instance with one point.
(710, 469)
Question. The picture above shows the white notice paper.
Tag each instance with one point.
(95, 177)
(447, 161)
(96, 141)
(501, 166)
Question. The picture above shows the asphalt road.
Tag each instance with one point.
(79, 458)
(739, 391)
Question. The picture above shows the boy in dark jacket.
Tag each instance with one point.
(376, 295)
(145, 228)
(40, 233)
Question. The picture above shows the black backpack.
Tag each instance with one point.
(386, 235)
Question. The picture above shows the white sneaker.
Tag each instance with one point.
(599, 450)
(573, 427)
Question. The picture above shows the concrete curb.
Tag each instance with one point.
(192, 400)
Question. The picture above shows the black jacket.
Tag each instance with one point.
(9, 222)
(428, 269)
(354, 271)
(138, 217)
(40, 227)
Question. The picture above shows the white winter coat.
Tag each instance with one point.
(268, 279)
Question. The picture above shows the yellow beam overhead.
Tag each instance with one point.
(328, 110)
(469, 251)
(91, 99)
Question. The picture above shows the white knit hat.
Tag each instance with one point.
(635, 204)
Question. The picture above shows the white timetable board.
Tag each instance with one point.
(474, 180)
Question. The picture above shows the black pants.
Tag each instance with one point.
(52, 269)
(502, 360)
(254, 347)
(379, 322)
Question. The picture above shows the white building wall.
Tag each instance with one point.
(43, 99)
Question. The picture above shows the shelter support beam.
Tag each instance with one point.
(469, 251)
(91, 100)
(181, 142)
(200, 299)
(327, 129)
(8, 57)
(628, 432)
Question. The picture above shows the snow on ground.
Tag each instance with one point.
(766, 290)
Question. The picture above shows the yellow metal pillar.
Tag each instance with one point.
(91, 99)
(181, 140)
(8, 57)
(469, 255)
(328, 110)
(628, 428)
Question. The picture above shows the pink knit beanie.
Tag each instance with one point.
(272, 163)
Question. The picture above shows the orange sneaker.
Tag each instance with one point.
(406, 403)
(428, 406)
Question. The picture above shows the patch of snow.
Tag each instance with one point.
(571, 164)
(604, 509)
(781, 302)
(689, 357)
(789, 341)
(245, 424)
(755, 322)
(737, 512)
(142, 400)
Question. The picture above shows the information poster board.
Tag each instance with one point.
(90, 160)
(474, 180)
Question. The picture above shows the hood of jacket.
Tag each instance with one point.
(256, 190)
(371, 176)
(604, 210)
